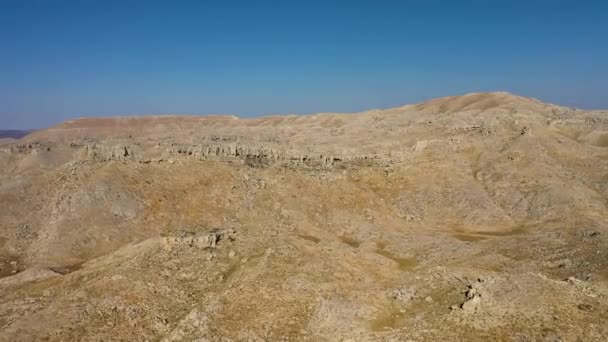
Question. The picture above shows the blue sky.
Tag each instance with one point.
(64, 59)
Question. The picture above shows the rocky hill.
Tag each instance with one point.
(475, 217)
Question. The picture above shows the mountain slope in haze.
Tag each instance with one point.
(475, 217)
(14, 133)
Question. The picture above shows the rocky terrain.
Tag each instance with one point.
(476, 217)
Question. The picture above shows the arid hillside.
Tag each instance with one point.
(476, 217)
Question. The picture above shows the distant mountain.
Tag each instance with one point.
(14, 133)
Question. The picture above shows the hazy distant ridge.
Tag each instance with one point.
(14, 133)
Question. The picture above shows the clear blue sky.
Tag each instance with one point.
(64, 59)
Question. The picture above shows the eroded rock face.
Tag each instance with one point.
(254, 155)
(197, 238)
(476, 296)
(102, 152)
